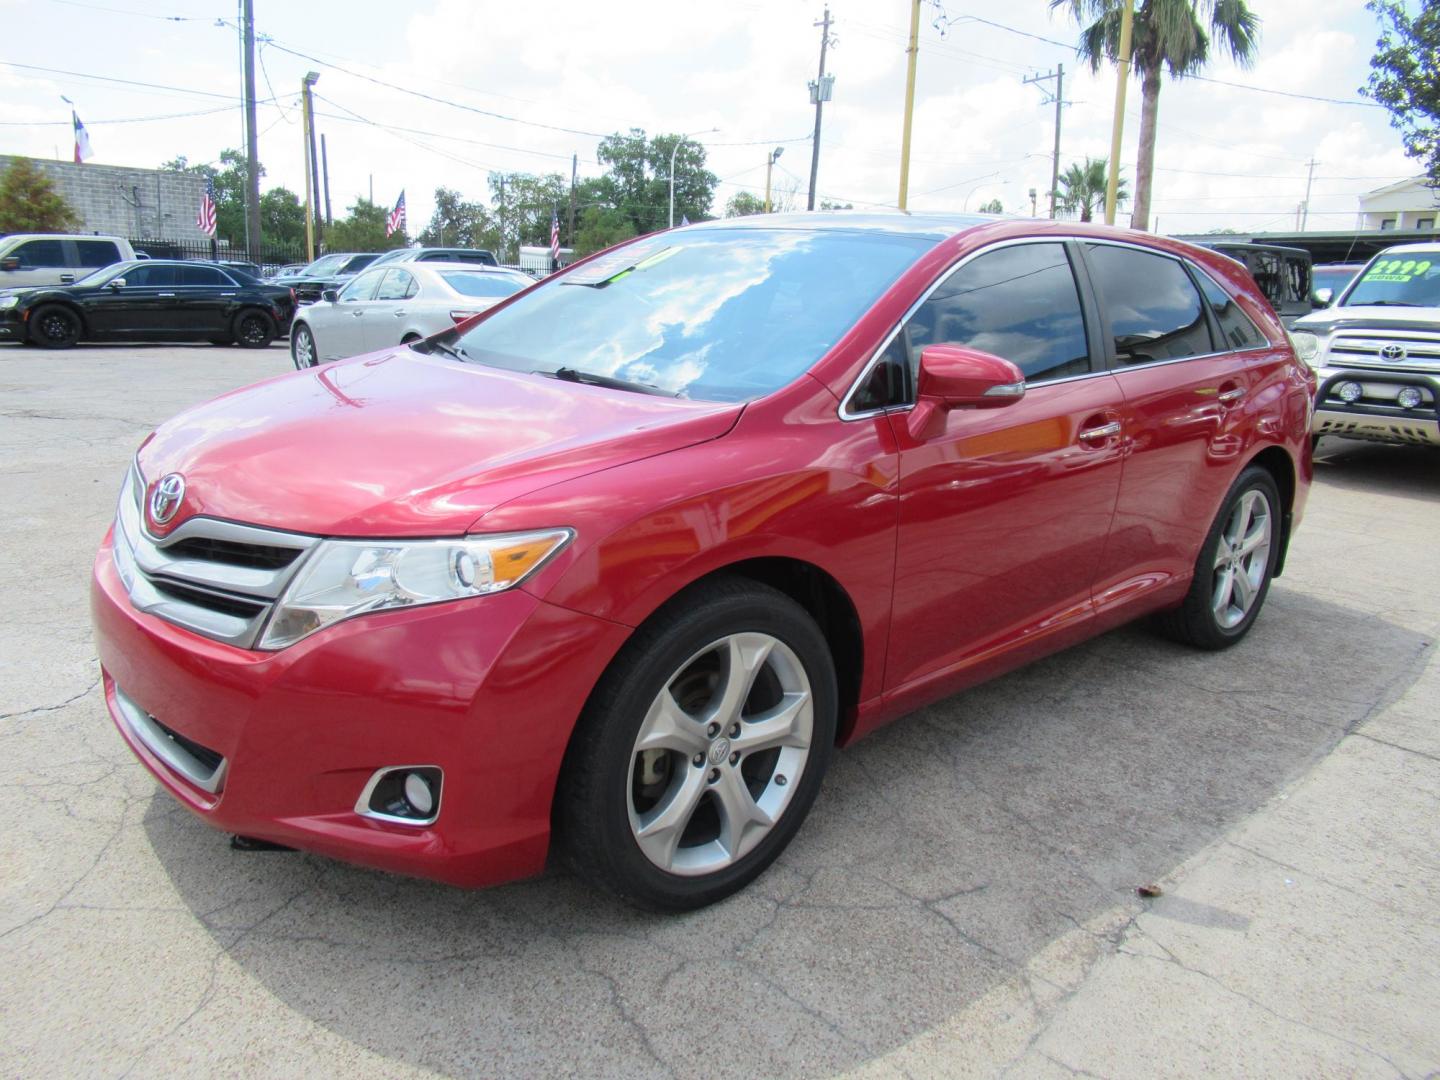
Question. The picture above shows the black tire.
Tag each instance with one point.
(253, 329)
(55, 326)
(593, 800)
(301, 340)
(410, 339)
(1196, 622)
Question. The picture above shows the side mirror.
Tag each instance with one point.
(1324, 297)
(330, 295)
(115, 283)
(11, 262)
(955, 377)
(67, 279)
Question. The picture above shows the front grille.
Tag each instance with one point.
(210, 759)
(1368, 348)
(214, 577)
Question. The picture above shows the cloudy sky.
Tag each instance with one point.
(478, 85)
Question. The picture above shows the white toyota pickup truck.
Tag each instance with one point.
(1376, 351)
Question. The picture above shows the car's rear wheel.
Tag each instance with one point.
(302, 346)
(1236, 564)
(254, 329)
(701, 750)
(55, 327)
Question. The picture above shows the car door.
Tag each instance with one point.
(204, 301)
(385, 316)
(341, 332)
(1182, 414)
(134, 309)
(1004, 513)
(36, 262)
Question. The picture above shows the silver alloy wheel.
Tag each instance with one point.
(1242, 558)
(304, 348)
(720, 754)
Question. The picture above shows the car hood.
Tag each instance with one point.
(397, 443)
(1363, 315)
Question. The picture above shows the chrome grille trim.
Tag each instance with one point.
(155, 739)
(1362, 348)
(176, 586)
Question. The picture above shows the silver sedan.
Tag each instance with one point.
(394, 305)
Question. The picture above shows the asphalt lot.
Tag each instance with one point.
(961, 901)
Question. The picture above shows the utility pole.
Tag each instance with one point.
(820, 91)
(252, 141)
(308, 128)
(574, 170)
(770, 160)
(1305, 206)
(502, 220)
(325, 173)
(913, 51)
(1059, 76)
(1117, 126)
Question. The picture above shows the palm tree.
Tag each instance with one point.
(1166, 35)
(1082, 188)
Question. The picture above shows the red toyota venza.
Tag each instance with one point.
(612, 568)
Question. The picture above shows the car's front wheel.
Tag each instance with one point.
(1233, 572)
(302, 347)
(702, 748)
(55, 327)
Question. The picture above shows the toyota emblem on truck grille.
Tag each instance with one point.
(1392, 352)
(166, 498)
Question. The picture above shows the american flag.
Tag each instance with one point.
(205, 219)
(396, 221)
(554, 239)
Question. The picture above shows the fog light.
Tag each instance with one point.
(418, 794)
(1409, 398)
(1350, 392)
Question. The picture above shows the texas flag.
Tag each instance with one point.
(82, 137)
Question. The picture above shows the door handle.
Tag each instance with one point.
(227, 294)
(1104, 431)
(356, 314)
(1231, 396)
(165, 294)
(398, 314)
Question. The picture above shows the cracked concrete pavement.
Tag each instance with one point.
(961, 902)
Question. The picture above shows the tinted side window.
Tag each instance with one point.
(886, 383)
(202, 275)
(398, 285)
(97, 253)
(1235, 326)
(37, 253)
(363, 287)
(1154, 310)
(137, 276)
(1019, 303)
(156, 277)
(358, 262)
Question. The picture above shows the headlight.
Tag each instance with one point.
(1307, 346)
(8, 301)
(345, 578)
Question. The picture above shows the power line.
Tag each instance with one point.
(140, 14)
(113, 79)
(125, 119)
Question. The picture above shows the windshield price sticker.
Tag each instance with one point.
(1397, 270)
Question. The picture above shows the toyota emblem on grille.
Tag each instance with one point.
(1392, 352)
(166, 498)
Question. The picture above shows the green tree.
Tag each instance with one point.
(992, 207)
(522, 204)
(637, 180)
(229, 179)
(29, 203)
(1166, 35)
(282, 218)
(363, 230)
(1082, 188)
(826, 204)
(457, 223)
(1405, 76)
(599, 227)
(743, 204)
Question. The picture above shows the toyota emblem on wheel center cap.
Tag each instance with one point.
(1392, 352)
(719, 751)
(166, 498)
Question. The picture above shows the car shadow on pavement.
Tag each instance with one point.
(1408, 471)
(944, 854)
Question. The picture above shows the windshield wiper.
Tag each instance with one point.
(452, 351)
(1389, 303)
(590, 378)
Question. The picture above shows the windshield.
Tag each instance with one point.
(326, 264)
(717, 315)
(105, 273)
(1405, 281)
(470, 284)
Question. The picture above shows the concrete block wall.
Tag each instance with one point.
(121, 201)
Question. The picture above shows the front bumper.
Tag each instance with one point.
(1376, 416)
(487, 690)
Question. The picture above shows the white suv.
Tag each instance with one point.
(56, 258)
(1377, 351)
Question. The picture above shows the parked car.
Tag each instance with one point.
(329, 272)
(393, 305)
(1283, 274)
(149, 300)
(56, 258)
(249, 269)
(289, 270)
(1376, 351)
(614, 566)
(438, 254)
(1328, 281)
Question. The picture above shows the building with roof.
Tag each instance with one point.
(1408, 204)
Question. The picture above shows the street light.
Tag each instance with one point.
(673, 152)
(966, 204)
(770, 164)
